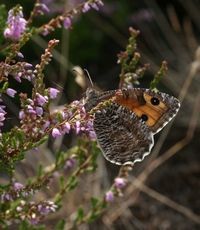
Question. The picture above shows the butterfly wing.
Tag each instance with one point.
(156, 108)
(122, 136)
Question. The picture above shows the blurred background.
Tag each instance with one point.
(169, 30)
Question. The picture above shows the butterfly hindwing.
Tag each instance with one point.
(123, 137)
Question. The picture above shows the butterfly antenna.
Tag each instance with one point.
(90, 79)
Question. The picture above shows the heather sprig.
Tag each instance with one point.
(161, 72)
(29, 211)
(66, 18)
(16, 24)
(19, 71)
(39, 68)
(37, 123)
(129, 60)
(20, 30)
(39, 9)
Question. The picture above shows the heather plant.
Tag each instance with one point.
(37, 123)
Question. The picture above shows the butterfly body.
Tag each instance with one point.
(127, 120)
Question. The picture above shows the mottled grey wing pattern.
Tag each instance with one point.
(122, 136)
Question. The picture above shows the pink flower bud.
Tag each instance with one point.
(56, 133)
(53, 93)
(41, 100)
(11, 92)
(67, 22)
(120, 182)
(109, 197)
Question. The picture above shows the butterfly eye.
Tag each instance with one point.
(144, 117)
(155, 101)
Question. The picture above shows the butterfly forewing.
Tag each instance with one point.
(164, 106)
(156, 108)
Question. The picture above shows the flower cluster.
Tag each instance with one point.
(16, 24)
(10, 92)
(35, 212)
(19, 71)
(34, 121)
(16, 190)
(74, 117)
(66, 18)
(92, 5)
(119, 184)
(37, 121)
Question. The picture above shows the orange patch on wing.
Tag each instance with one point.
(154, 112)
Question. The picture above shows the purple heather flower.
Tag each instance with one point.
(86, 7)
(31, 110)
(99, 2)
(66, 127)
(78, 127)
(16, 24)
(47, 207)
(42, 8)
(21, 115)
(34, 219)
(109, 197)
(92, 135)
(120, 182)
(53, 93)
(2, 117)
(17, 77)
(2, 107)
(28, 65)
(6, 197)
(45, 32)
(64, 114)
(43, 209)
(11, 92)
(70, 163)
(41, 100)
(17, 186)
(67, 22)
(90, 125)
(19, 54)
(82, 110)
(56, 133)
(95, 6)
(39, 111)
(29, 107)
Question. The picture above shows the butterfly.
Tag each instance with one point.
(126, 120)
